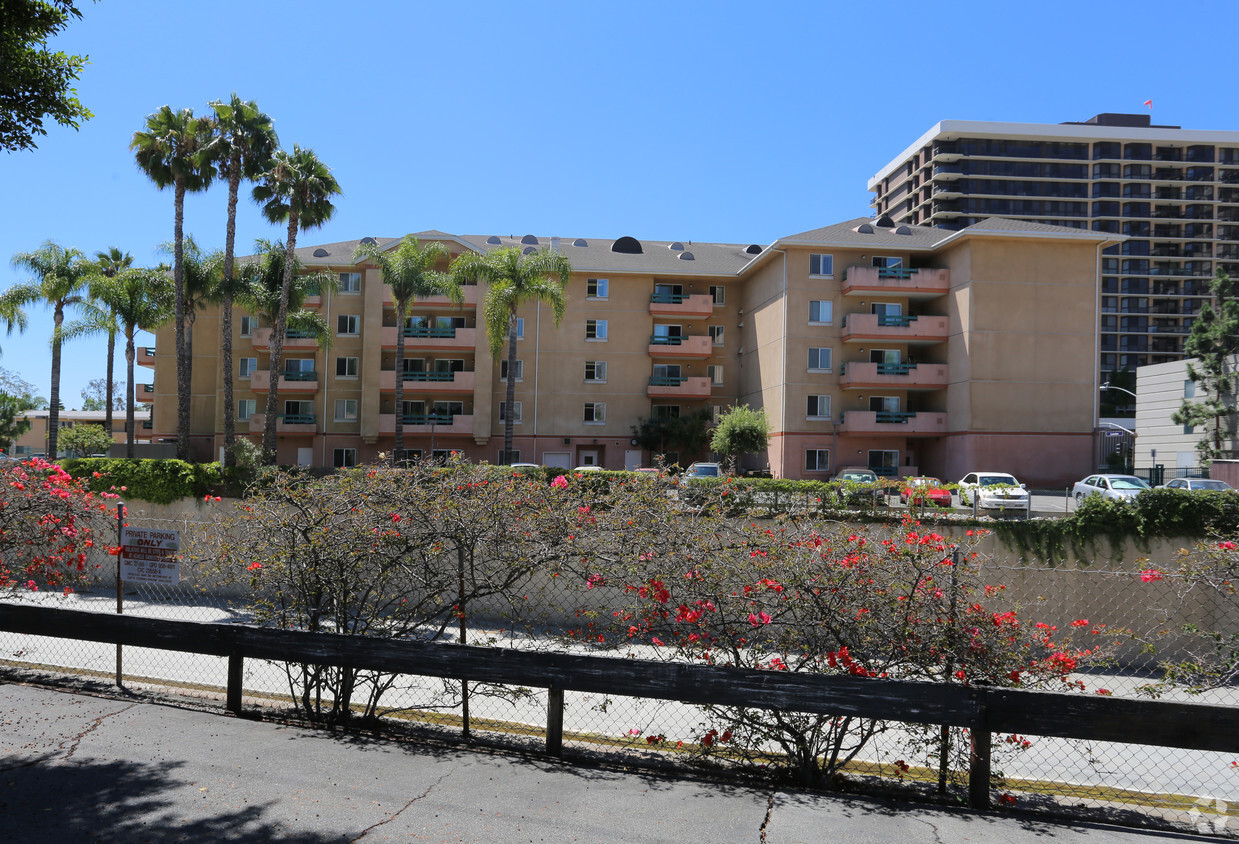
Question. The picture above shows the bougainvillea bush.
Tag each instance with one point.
(49, 524)
(1208, 657)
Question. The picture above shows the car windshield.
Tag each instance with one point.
(998, 480)
(705, 470)
(926, 482)
(1127, 482)
(1210, 485)
(860, 477)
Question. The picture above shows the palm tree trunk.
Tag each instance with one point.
(130, 431)
(225, 314)
(182, 370)
(277, 345)
(107, 418)
(509, 415)
(53, 408)
(401, 308)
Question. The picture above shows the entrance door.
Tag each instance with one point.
(305, 456)
(884, 404)
(588, 458)
(632, 458)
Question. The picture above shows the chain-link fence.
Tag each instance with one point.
(1140, 616)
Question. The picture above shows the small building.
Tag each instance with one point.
(34, 441)
(1161, 389)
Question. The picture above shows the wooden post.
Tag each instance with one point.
(979, 762)
(555, 721)
(236, 666)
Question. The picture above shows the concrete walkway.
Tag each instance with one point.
(80, 768)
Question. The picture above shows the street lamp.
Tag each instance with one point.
(1108, 386)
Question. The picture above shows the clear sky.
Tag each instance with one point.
(710, 121)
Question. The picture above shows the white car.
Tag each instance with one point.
(1109, 486)
(992, 491)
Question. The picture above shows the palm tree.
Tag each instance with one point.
(171, 151)
(140, 299)
(298, 188)
(110, 263)
(242, 148)
(410, 272)
(203, 272)
(513, 279)
(61, 278)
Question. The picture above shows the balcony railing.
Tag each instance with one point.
(297, 418)
(299, 375)
(914, 283)
(667, 380)
(426, 418)
(666, 340)
(427, 331)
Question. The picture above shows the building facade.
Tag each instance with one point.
(1172, 193)
(908, 349)
(34, 441)
(1162, 390)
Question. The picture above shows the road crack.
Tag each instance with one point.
(766, 820)
(98, 722)
(397, 814)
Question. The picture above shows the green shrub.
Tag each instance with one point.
(156, 481)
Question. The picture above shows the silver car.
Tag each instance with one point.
(1109, 486)
(1194, 484)
(992, 491)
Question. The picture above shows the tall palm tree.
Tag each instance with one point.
(411, 274)
(171, 151)
(60, 281)
(140, 299)
(513, 279)
(242, 147)
(110, 263)
(296, 188)
(202, 272)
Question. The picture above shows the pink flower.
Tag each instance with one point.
(1227, 546)
(395, 517)
(1150, 575)
(560, 482)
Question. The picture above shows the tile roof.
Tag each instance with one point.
(656, 256)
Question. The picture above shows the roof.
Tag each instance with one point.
(86, 415)
(656, 256)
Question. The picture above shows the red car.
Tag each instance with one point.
(925, 490)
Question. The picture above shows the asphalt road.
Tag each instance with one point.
(81, 768)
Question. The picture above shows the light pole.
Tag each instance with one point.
(1108, 386)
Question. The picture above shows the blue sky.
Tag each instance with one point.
(688, 121)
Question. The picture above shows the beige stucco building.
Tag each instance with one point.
(34, 441)
(908, 349)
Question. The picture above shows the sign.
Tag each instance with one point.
(147, 555)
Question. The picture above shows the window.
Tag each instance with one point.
(246, 408)
(457, 408)
(350, 325)
(595, 288)
(821, 311)
(520, 328)
(716, 334)
(299, 412)
(247, 367)
(595, 412)
(248, 324)
(346, 367)
(819, 359)
(595, 329)
(821, 264)
(514, 456)
(887, 262)
(518, 370)
(883, 462)
(350, 282)
(516, 412)
(714, 372)
(817, 460)
(716, 410)
(342, 458)
(667, 372)
(819, 407)
(718, 293)
(1189, 389)
(666, 411)
(596, 371)
(299, 365)
(346, 410)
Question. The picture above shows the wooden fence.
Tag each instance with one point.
(983, 710)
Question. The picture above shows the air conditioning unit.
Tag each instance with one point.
(567, 440)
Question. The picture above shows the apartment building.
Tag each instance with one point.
(908, 349)
(34, 441)
(1173, 193)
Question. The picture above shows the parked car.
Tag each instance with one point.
(992, 491)
(704, 470)
(1109, 486)
(525, 467)
(924, 490)
(1193, 484)
(588, 469)
(859, 485)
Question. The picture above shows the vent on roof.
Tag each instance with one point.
(529, 239)
(529, 249)
(320, 252)
(864, 228)
(494, 238)
(885, 222)
(676, 247)
(370, 241)
(628, 245)
(753, 249)
(580, 241)
(903, 230)
(686, 256)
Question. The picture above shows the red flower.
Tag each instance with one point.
(1150, 575)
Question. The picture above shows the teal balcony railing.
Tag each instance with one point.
(299, 376)
(426, 418)
(895, 272)
(149, 388)
(427, 331)
(298, 418)
(294, 334)
(428, 376)
(896, 320)
(669, 298)
(667, 380)
(897, 417)
(895, 368)
(666, 340)
(147, 424)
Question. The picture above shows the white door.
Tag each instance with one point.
(305, 456)
(632, 458)
(557, 459)
(588, 458)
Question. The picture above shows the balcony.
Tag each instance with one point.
(292, 340)
(443, 424)
(915, 331)
(688, 305)
(459, 339)
(298, 423)
(692, 346)
(147, 425)
(289, 382)
(144, 392)
(685, 387)
(893, 423)
(470, 291)
(428, 382)
(897, 376)
(896, 281)
(144, 356)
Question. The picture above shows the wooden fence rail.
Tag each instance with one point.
(983, 710)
